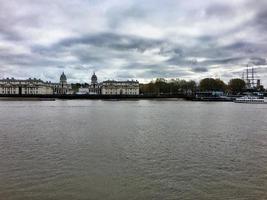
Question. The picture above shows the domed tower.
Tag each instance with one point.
(63, 79)
(63, 84)
(94, 80)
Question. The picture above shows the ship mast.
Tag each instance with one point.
(249, 78)
(252, 77)
(248, 82)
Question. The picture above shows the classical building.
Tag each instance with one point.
(93, 88)
(38, 87)
(34, 86)
(120, 88)
(110, 87)
(24, 87)
(62, 87)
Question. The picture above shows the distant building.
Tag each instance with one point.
(110, 87)
(93, 88)
(120, 88)
(62, 87)
(83, 90)
(24, 87)
(11, 86)
(39, 87)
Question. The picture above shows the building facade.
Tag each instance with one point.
(30, 86)
(62, 87)
(38, 87)
(11, 86)
(93, 88)
(110, 87)
(120, 88)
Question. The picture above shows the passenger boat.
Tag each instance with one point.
(251, 100)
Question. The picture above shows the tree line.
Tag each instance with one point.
(180, 86)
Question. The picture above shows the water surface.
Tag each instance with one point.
(132, 150)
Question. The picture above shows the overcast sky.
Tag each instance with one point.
(132, 39)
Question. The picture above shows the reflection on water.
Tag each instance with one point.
(132, 150)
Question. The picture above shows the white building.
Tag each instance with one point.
(110, 87)
(83, 90)
(38, 87)
(62, 87)
(93, 88)
(22, 87)
(120, 88)
(11, 86)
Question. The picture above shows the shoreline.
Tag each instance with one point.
(107, 97)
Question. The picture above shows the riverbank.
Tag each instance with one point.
(107, 97)
(53, 97)
(87, 96)
(26, 99)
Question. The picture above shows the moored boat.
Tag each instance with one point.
(251, 100)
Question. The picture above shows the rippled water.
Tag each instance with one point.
(132, 150)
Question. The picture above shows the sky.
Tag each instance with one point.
(132, 39)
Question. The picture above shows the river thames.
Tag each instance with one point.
(146, 149)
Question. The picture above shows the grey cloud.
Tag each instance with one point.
(199, 69)
(82, 67)
(179, 59)
(166, 49)
(9, 34)
(260, 15)
(112, 40)
(258, 61)
(219, 10)
(11, 21)
(125, 75)
(60, 67)
(117, 15)
(163, 74)
(245, 47)
(185, 46)
(234, 60)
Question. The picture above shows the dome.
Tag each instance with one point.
(63, 77)
(94, 78)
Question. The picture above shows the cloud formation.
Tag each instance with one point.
(132, 39)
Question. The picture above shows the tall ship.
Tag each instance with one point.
(251, 79)
(253, 84)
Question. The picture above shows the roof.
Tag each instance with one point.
(63, 77)
(113, 81)
(94, 76)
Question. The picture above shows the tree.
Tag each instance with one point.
(173, 86)
(236, 85)
(191, 86)
(162, 85)
(210, 84)
(260, 88)
(75, 86)
(220, 85)
(148, 88)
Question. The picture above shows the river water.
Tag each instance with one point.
(146, 149)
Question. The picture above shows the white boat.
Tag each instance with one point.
(251, 99)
